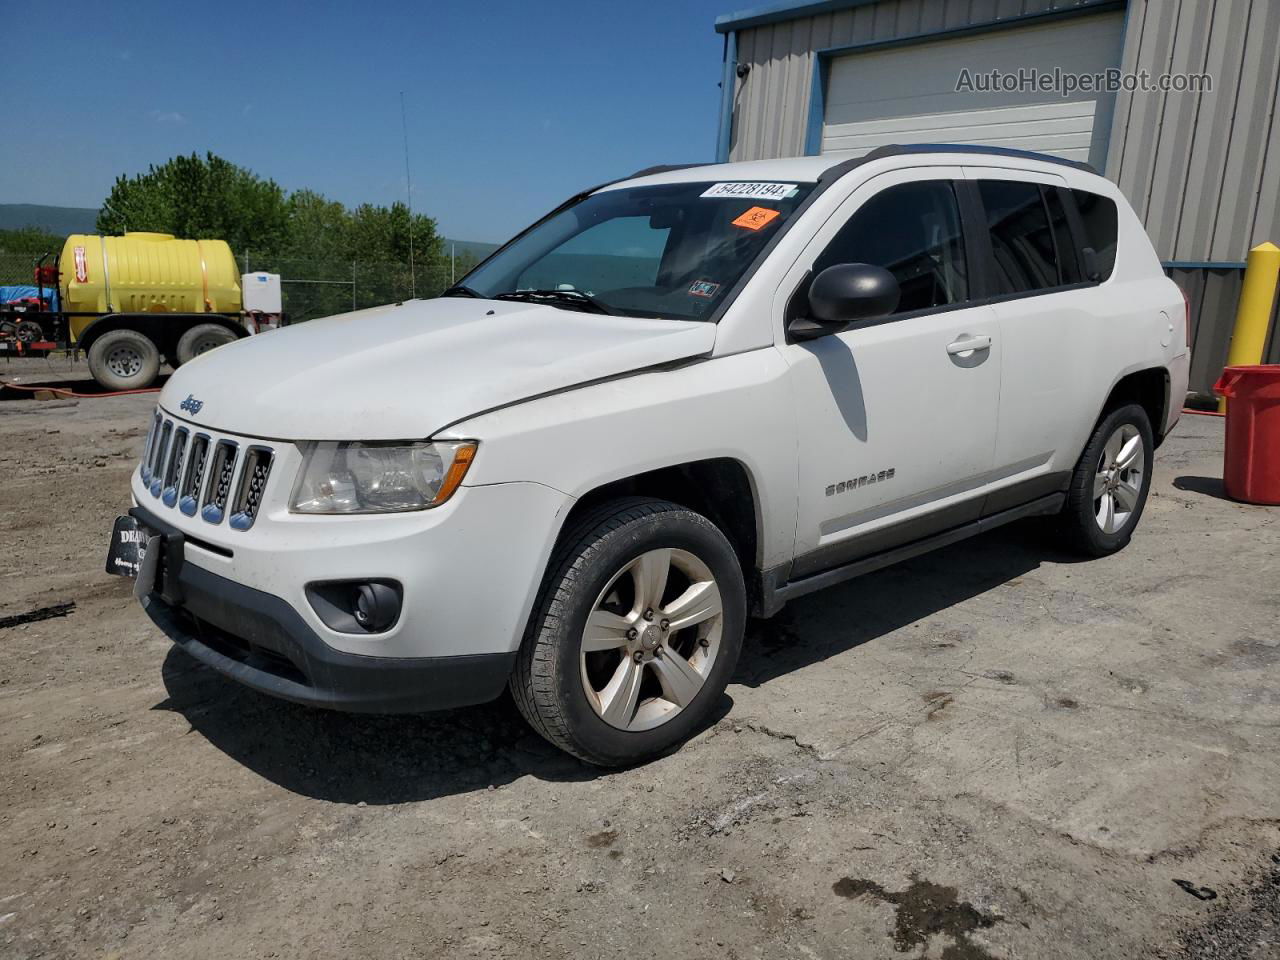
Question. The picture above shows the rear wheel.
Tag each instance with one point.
(124, 360)
(202, 338)
(635, 635)
(1110, 483)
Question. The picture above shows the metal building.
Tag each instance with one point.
(1200, 166)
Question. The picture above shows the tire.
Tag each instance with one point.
(1085, 524)
(599, 569)
(124, 360)
(202, 338)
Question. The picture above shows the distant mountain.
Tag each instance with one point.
(56, 220)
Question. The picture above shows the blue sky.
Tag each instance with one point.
(511, 106)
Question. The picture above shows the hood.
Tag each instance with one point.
(405, 371)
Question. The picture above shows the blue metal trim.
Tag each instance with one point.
(817, 106)
(795, 9)
(777, 12)
(728, 79)
(822, 58)
(1203, 264)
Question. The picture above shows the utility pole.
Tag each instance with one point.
(408, 190)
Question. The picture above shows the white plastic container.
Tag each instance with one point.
(261, 292)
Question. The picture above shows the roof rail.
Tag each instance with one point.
(897, 149)
(665, 168)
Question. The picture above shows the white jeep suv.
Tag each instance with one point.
(676, 401)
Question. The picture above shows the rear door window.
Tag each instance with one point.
(1023, 243)
(1098, 218)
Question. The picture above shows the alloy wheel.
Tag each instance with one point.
(1117, 483)
(651, 639)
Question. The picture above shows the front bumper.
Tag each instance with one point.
(261, 641)
(469, 569)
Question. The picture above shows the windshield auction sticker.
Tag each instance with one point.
(751, 191)
(756, 217)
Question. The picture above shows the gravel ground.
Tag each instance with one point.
(991, 752)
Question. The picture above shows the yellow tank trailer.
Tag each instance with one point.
(132, 300)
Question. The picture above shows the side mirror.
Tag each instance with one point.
(849, 292)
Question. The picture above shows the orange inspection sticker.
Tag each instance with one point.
(755, 218)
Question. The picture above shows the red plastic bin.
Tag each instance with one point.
(1251, 463)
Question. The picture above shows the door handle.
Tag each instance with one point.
(968, 344)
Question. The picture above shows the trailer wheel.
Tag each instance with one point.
(124, 360)
(202, 338)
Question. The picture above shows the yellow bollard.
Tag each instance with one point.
(1253, 316)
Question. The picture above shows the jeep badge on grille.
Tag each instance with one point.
(192, 405)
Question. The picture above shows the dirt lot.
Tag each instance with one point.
(990, 752)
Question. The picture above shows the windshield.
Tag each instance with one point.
(671, 251)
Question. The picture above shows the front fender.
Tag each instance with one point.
(736, 407)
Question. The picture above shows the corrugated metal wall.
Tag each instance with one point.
(771, 105)
(1202, 170)
(1214, 295)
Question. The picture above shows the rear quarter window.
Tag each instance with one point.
(1098, 219)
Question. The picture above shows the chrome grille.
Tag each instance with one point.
(221, 472)
(202, 473)
(169, 488)
(253, 481)
(148, 447)
(158, 455)
(189, 488)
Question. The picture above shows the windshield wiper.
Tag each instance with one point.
(461, 290)
(575, 298)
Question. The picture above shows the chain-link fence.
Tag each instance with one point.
(319, 288)
(17, 268)
(310, 288)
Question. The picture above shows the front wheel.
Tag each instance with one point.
(1110, 483)
(635, 634)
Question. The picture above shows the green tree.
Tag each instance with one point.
(30, 241)
(382, 233)
(318, 229)
(197, 198)
(302, 236)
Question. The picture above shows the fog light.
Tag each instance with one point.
(376, 606)
(357, 606)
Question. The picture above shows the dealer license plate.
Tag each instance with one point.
(135, 553)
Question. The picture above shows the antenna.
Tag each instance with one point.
(408, 191)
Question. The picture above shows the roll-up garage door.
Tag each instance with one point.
(907, 93)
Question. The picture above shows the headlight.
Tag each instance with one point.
(379, 477)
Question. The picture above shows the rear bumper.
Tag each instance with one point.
(259, 640)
